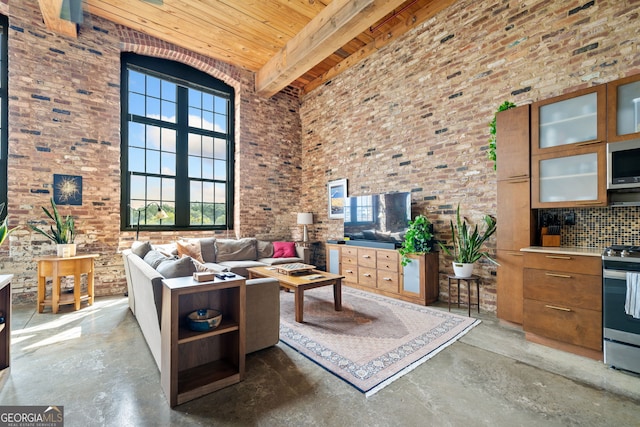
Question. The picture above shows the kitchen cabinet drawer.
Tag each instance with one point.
(570, 325)
(570, 290)
(350, 272)
(349, 259)
(367, 257)
(367, 276)
(564, 263)
(388, 281)
(387, 260)
(350, 250)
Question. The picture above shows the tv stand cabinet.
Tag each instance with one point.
(380, 271)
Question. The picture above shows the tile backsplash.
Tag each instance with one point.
(598, 227)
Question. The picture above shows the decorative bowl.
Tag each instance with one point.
(204, 320)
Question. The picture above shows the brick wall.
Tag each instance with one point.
(65, 119)
(414, 116)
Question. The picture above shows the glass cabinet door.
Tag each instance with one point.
(624, 109)
(573, 179)
(576, 118)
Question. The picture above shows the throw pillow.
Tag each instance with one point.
(177, 268)
(284, 249)
(154, 258)
(141, 248)
(190, 248)
(265, 249)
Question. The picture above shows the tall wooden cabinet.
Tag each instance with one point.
(380, 271)
(516, 223)
(5, 325)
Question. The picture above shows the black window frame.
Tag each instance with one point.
(4, 117)
(185, 77)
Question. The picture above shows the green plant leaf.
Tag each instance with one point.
(491, 152)
(467, 241)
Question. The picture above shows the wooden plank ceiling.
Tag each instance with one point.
(302, 43)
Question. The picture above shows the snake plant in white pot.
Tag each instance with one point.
(63, 234)
(4, 228)
(468, 244)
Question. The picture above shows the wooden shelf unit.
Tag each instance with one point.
(5, 328)
(197, 363)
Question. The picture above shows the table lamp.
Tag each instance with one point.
(305, 218)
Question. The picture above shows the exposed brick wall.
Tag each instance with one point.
(65, 118)
(414, 116)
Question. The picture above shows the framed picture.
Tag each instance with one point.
(67, 190)
(337, 191)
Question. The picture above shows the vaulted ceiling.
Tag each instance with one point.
(302, 43)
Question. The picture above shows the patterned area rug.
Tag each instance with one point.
(374, 340)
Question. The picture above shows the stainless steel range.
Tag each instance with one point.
(621, 330)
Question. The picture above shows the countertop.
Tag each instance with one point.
(564, 250)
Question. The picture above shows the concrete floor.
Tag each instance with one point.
(96, 364)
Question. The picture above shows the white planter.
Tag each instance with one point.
(462, 269)
(66, 250)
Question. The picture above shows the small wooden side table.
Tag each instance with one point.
(57, 267)
(468, 280)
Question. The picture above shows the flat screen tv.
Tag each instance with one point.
(380, 218)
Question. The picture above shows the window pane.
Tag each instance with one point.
(208, 189)
(169, 140)
(195, 191)
(168, 164)
(207, 169)
(194, 118)
(221, 123)
(153, 162)
(136, 134)
(194, 98)
(153, 137)
(136, 160)
(207, 146)
(207, 101)
(153, 188)
(136, 82)
(220, 149)
(168, 190)
(221, 193)
(220, 168)
(153, 108)
(137, 187)
(136, 104)
(169, 91)
(153, 86)
(168, 111)
(194, 145)
(221, 105)
(195, 167)
(207, 120)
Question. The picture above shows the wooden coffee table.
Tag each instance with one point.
(300, 283)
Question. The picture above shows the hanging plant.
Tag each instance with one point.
(491, 154)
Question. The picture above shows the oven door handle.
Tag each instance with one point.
(614, 274)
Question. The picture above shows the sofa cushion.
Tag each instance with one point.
(284, 249)
(181, 267)
(265, 249)
(190, 248)
(155, 258)
(236, 250)
(208, 249)
(208, 267)
(140, 248)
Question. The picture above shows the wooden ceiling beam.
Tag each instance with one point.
(50, 10)
(336, 25)
(413, 21)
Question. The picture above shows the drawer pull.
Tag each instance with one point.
(558, 257)
(367, 275)
(366, 256)
(590, 203)
(386, 279)
(553, 307)
(515, 254)
(348, 271)
(518, 181)
(563, 276)
(518, 176)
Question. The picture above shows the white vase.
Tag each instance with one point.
(66, 250)
(462, 269)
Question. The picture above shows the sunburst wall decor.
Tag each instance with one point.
(67, 190)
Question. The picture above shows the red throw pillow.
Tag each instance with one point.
(284, 249)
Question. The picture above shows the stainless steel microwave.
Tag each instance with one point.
(623, 165)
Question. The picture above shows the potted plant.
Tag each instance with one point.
(417, 240)
(467, 244)
(4, 228)
(63, 234)
(491, 152)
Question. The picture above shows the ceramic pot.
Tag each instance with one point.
(462, 269)
(66, 250)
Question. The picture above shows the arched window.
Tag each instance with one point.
(177, 146)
